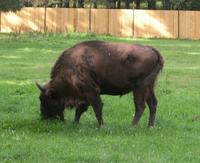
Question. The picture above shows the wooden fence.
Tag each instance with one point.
(116, 22)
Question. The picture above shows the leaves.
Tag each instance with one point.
(10, 5)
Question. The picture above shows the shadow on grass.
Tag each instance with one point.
(87, 128)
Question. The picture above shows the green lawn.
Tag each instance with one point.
(24, 138)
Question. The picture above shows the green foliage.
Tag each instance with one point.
(177, 4)
(25, 138)
(193, 5)
(139, 4)
(10, 5)
(182, 4)
(34, 3)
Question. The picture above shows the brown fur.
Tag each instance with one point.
(85, 71)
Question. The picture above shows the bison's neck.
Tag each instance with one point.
(63, 88)
(58, 66)
(59, 86)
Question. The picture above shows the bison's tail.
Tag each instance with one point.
(150, 79)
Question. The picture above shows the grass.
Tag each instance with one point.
(24, 138)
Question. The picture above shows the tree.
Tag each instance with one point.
(119, 4)
(166, 4)
(74, 4)
(181, 4)
(95, 3)
(111, 4)
(151, 4)
(194, 5)
(65, 3)
(39, 3)
(127, 3)
(81, 3)
(137, 3)
(26, 3)
(188, 4)
(10, 5)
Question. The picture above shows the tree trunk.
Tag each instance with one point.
(127, 4)
(74, 4)
(60, 4)
(110, 4)
(166, 4)
(66, 4)
(80, 3)
(119, 4)
(94, 3)
(152, 4)
(137, 2)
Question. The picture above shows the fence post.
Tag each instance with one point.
(133, 27)
(75, 19)
(178, 24)
(108, 27)
(90, 14)
(0, 21)
(45, 19)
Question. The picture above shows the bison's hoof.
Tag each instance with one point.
(151, 126)
(75, 122)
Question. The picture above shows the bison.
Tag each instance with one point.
(92, 68)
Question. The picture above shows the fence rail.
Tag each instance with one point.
(116, 22)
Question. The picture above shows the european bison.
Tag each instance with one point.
(91, 68)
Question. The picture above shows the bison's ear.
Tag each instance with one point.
(41, 88)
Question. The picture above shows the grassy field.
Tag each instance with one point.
(24, 138)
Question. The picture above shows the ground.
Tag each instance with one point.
(25, 138)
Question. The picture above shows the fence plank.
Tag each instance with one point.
(70, 19)
(82, 20)
(121, 22)
(99, 21)
(189, 24)
(55, 20)
(155, 23)
(26, 20)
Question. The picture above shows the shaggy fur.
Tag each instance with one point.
(85, 71)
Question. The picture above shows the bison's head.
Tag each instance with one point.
(51, 106)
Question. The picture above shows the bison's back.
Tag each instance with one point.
(113, 67)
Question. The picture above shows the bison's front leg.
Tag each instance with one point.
(95, 100)
(60, 115)
(79, 111)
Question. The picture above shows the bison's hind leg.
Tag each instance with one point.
(95, 101)
(140, 93)
(152, 104)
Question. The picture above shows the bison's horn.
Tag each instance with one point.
(40, 87)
